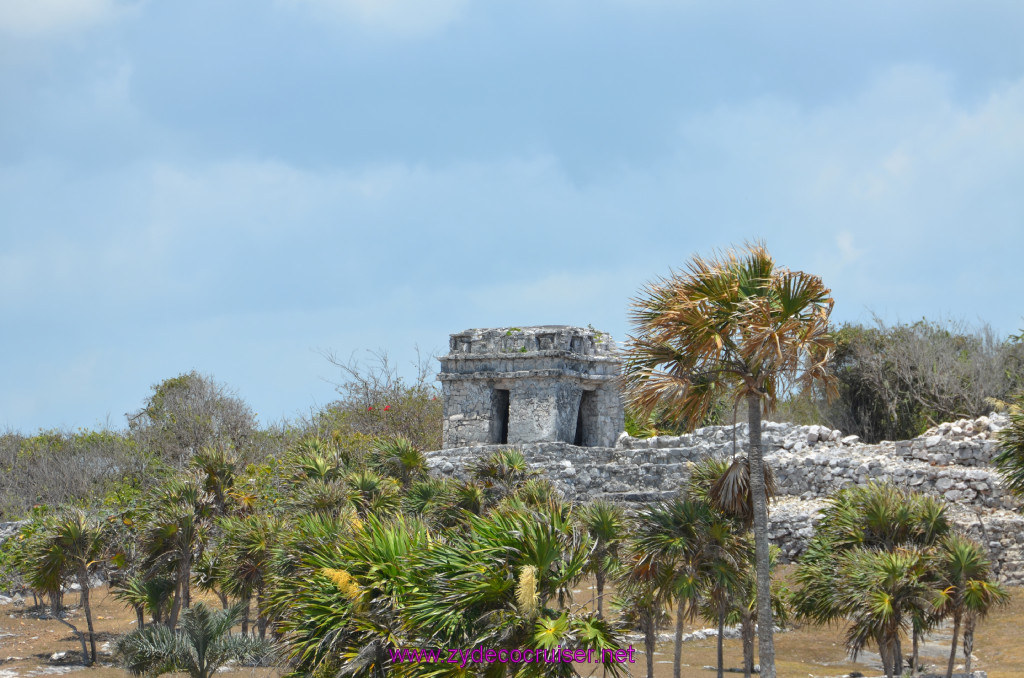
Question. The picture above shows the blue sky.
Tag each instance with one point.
(236, 186)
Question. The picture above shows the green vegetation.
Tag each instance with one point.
(886, 561)
(201, 645)
(896, 381)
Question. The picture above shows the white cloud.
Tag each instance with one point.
(405, 18)
(31, 18)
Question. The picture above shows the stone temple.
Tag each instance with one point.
(517, 385)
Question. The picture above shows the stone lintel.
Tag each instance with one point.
(528, 374)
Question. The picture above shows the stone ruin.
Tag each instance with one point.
(526, 387)
(516, 385)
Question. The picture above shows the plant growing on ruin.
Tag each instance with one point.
(734, 323)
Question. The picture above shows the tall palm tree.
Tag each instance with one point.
(605, 522)
(70, 547)
(732, 324)
(202, 644)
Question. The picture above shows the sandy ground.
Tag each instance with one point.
(30, 646)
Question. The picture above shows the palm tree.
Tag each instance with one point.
(643, 586)
(506, 582)
(877, 517)
(248, 548)
(217, 466)
(605, 522)
(369, 492)
(1010, 459)
(70, 547)
(881, 592)
(340, 604)
(980, 597)
(400, 459)
(201, 645)
(501, 473)
(688, 538)
(174, 540)
(733, 324)
(153, 595)
(966, 589)
(314, 459)
(209, 572)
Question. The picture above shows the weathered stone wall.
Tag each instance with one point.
(552, 377)
(810, 463)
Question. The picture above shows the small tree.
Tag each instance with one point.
(966, 591)
(201, 645)
(605, 522)
(189, 412)
(69, 548)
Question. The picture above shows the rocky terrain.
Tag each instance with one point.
(810, 463)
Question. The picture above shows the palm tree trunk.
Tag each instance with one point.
(88, 618)
(599, 576)
(747, 631)
(721, 632)
(915, 657)
(677, 656)
(187, 585)
(762, 565)
(172, 618)
(952, 649)
(223, 599)
(245, 616)
(885, 651)
(897, 656)
(261, 616)
(649, 641)
(140, 616)
(968, 641)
